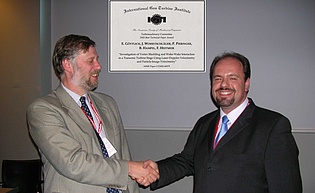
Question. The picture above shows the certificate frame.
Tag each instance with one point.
(157, 36)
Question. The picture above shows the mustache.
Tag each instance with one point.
(96, 72)
(225, 89)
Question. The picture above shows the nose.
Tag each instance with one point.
(98, 65)
(224, 82)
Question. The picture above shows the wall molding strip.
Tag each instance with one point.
(187, 129)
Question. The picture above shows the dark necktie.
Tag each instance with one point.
(87, 111)
(223, 130)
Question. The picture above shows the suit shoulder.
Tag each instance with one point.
(50, 99)
(103, 97)
(208, 117)
(42, 105)
(268, 115)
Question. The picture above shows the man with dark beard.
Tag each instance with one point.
(79, 133)
(240, 147)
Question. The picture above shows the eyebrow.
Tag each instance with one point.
(233, 75)
(93, 57)
(227, 75)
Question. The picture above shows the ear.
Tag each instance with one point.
(67, 66)
(247, 85)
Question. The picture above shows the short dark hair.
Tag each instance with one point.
(244, 61)
(68, 47)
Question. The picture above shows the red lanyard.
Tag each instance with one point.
(216, 132)
(99, 129)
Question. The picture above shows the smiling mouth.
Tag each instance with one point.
(225, 92)
(96, 74)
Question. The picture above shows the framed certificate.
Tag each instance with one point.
(157, 36)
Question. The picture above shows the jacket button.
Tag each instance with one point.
(209, 169)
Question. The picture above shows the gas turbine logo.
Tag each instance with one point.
(157, 19)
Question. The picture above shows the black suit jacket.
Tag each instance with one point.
(257, 155)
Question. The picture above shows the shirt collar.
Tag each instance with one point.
(74, 95)
(233, 115)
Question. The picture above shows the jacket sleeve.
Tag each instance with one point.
(281, 161)
(179, 165)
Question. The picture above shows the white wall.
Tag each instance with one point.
(276, 36)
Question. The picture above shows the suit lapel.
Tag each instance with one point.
(242, 122)
(74, 111)
(103, 111)
(212, 129)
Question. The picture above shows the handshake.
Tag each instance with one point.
(144, 172)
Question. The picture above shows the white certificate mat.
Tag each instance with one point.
(157, 36)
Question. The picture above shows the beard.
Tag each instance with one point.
(86, 82)
(89, 85)
(224, 102)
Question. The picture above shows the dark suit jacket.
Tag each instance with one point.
(257, 155)
(69, 148)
